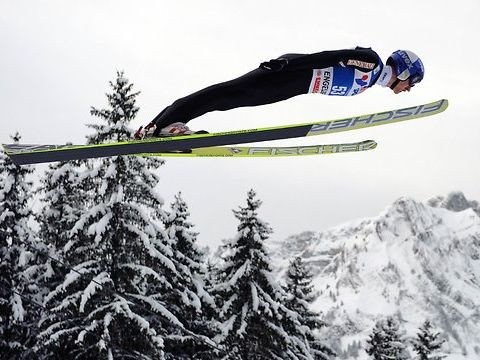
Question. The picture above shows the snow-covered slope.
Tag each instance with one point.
(415, 260)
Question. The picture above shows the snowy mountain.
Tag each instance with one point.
(415, 260)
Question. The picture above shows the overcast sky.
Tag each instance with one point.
(57, 57)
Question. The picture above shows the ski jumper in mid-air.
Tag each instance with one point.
(339, 72)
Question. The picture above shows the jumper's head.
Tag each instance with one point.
(407, 68)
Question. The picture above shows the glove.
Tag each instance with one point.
(274, 65)
(147, 131)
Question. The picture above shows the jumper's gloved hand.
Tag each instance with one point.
(274, 65)
(147, 131)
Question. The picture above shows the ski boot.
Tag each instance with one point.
(175, 129)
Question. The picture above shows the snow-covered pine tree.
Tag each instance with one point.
(18, 290)
(253, 318)
(427, 344)
(189, 301)
(110, 304)
(386, 341)
(300, 294)
(62, 205)
(352, 351)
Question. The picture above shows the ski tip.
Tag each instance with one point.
(445, 103)
(368, 144)
(442, 105)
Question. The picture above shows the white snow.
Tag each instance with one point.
(159, 308)
(414, 260)
(239, 273)
(17, 307)
(243, 323)
(254, 297)
(225, 328)
(100, 227)
(94, 285)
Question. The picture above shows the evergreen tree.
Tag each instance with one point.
(189, 301)
(386, 342)
(111, 302)
(61, 208)
(352, 351)
(427, 343)
(300, 294)
(18, 289)
(253, 318)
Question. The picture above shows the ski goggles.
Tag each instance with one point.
(414, 80)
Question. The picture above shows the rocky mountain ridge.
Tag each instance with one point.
(415, 260)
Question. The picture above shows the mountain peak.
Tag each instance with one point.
(415, 261)
(455, 201)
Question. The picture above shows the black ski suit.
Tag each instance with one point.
(276, 80)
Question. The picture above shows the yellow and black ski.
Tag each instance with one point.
(269, 151)
(31, 154)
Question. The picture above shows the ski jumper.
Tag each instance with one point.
(339, 72)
